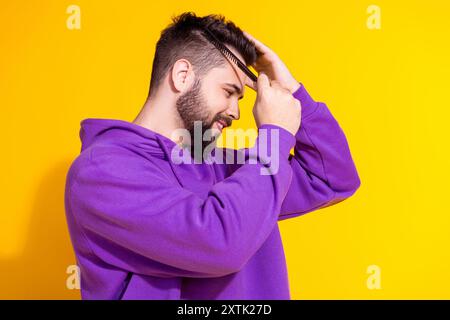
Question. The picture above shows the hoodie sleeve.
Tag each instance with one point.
(323, 170)
(133, 218)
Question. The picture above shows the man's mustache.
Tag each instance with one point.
(227, 120)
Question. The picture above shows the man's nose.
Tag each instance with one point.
(233, 111)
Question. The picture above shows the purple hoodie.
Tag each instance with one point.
(143, 227)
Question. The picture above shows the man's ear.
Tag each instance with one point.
(182, 75)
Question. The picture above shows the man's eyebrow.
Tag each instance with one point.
(235, 87)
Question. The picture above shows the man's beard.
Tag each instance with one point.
(192, 107)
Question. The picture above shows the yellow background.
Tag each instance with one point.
(388, 89)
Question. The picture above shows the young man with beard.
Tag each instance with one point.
(143, 227)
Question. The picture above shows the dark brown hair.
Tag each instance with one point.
(183, 38)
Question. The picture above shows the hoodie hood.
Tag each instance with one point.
(120, 132)
(146, 143)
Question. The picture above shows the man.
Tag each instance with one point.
(146, 227)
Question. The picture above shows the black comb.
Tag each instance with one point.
(227, 52)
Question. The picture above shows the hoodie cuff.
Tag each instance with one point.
(307, 102)
(286, 140)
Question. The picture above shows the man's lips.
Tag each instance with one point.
(221, 124)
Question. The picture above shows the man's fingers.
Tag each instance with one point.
(261, 47)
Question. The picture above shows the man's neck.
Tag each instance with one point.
(159, 117)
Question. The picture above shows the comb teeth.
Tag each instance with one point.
(227, 52)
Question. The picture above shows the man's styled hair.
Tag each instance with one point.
(184, 38)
